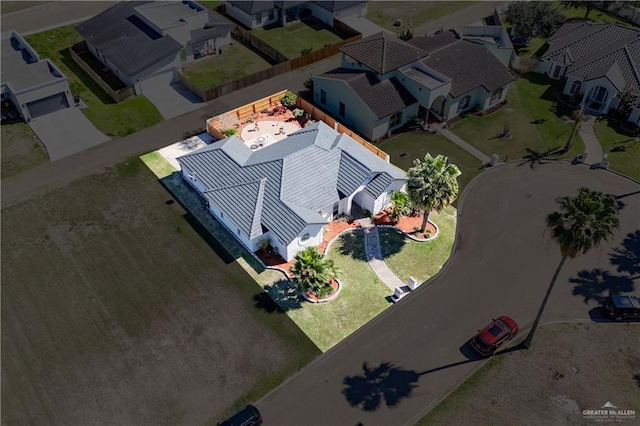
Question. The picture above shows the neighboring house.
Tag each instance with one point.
(385, 82)
(145, 42)
(269, 194)
(34, 86)
(599, 62)
(257, 14)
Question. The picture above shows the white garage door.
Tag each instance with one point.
(47, 105)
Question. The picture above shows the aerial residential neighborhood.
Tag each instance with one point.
(320, 212)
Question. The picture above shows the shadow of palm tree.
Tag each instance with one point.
(598, 284)
(391, 241)
(352, 244)
(280, 297)
(385, 382)
(627, 258)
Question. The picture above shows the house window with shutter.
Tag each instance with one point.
(395, 119)
(259, 18)
(464, 103)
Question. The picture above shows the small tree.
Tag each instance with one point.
(629, 100)
(432, 184)
(229, 132)
(289, 99)
(533, 18)
(405, 35)
(399, 205)
(313, 272)
(587, 5)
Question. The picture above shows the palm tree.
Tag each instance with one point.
(314, 272)
(432, 184)
(400, 205)
(582, 223)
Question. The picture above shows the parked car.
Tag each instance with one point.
(623, 308)
(248, 416)
(496, 334)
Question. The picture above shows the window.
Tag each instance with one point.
(259, 18)
(271, 15)
(323, 97)
(341, 111)
(336, 208)
(496, 95)
(575, 87)
(304, 237)
(464, 103)
(556, 71)
(395, 119)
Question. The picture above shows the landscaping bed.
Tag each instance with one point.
(111, 118)
(408, 224)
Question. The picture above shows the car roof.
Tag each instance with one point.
(494, 331)
(625, 301)
(243, 416)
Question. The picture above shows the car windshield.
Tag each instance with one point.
(496, 330)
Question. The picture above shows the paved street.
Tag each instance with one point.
(501, 253)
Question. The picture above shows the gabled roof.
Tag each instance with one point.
(337, 6)
(252, 7)
(382, 97)
(273, 188)
(125, 40)
(597, 50)
(383, 52)
(469, 65)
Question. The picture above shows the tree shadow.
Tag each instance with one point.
(352, 244)
(384, 383)
(597, 284)
(280, 297)
(627, 258)
(392, 241)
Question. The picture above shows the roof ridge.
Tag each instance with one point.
(631, 61)
(243, 183)
(608, 50)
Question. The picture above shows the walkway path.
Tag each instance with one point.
(374, 255)
(591, 145)
(465, 145)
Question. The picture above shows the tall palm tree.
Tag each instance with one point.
(582, 223)
(432, 184)
(314, 272)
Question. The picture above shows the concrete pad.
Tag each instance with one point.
(172, 100)
(173, 151)
(365, 26)
(66, 132)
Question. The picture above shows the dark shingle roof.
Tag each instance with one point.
(337, 6)
(252, 7)
(469, 65)
(382, 97)
(125, 40)
(383, 52)
(434, 42)
(273, 187)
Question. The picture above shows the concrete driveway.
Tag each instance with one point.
(66, 132)
(401, 364)
(171, 99)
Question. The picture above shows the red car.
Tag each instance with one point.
(494, 335)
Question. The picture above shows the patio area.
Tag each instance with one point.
(263, 133)
(173, 151)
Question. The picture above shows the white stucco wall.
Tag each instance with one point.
(635, 116)
(297, 245)
(251, 21)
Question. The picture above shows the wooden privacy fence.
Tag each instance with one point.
(317, 114)
(116, 95)
(245, 37)
(216, 124)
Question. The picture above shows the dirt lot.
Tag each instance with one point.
(570, 368)
(21, 149)
(115, 311)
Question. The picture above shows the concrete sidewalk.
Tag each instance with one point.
(465, 145)
(591, 144)
(374, 255)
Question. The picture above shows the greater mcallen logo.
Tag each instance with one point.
(609, 413)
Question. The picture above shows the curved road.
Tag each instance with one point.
(502, 265)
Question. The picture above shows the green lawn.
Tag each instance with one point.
(290, 40)
(421, 260)
(236, 61)
(531, 99)
(363, 297)
(211, 4)
(595, 16)
(21, 149)
(386, 13)
(610, 135)
(416, 145)
(113, 119)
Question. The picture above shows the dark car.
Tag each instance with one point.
(496, 334)
(248, 416)
(623, 308)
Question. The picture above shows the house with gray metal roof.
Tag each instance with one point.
(599, 63)
(146, 42)
(384, 82)
(33, 85)
(270, 193)
(261, 13)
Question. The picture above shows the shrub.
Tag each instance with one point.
(298, 112)
(416, 228)
(427, 233)
(308, 83)
(289, 99)
(367, 213)
(230, 132)
(306, 50)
